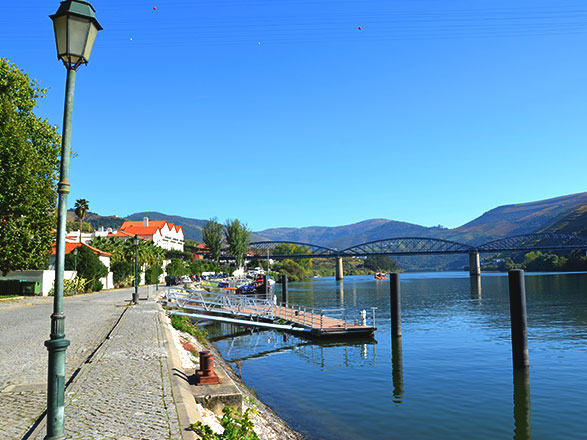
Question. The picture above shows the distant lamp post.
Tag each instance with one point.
(75, 31)
(75, 268)
(135, 295)
(158, 274)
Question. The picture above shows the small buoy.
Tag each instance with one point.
(154, 8)
(258, 43)
(360, 28)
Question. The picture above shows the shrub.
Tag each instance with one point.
(236, 426)
(121, 272)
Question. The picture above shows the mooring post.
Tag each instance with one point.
(517, 290)
(395, 304)
(522, 405)
(284, 289)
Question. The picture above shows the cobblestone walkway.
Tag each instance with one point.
(125, 393)
(24, 326)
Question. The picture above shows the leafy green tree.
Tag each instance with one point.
(237, 238)
(29, 164)
(81, 210)
(122, 272)
(295, 249)
(88, 265)
(152, 274)
(381, 264)
(175, 268)
(73, 226)
(212, 238)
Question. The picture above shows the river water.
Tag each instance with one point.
(449, 377)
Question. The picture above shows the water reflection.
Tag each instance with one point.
(243, 346)
(340, 291)
(475, 281)
(522, 405)
(397, 369)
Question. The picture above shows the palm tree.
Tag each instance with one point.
(81, 208)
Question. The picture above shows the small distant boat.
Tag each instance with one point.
(380, 276)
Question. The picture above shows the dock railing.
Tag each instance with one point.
(261, 308)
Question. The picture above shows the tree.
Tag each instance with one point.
(29, 164)
(81, 208)
(212, 237)
(237, 238)
(122, 272)
(294, 249)
(381, 264)
(88, 265)
(175, 268)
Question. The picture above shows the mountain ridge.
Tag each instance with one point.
(564, 214)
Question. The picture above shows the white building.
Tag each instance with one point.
(162, 233)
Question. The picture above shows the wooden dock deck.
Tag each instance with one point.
(262, 312)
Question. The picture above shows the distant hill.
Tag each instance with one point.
(341, 237)
(523, 218)
(574, 222)
(97, 220)
(566, 214)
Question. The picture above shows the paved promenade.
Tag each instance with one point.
(122, 387)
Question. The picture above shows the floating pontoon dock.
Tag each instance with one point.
(261, 312)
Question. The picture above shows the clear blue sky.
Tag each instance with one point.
(283, 113)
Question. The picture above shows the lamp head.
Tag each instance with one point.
(75, 28)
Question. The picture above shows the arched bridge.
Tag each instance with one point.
(419, 246)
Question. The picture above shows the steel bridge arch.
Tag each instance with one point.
(315, 250)
(407, 246)
(530, 242)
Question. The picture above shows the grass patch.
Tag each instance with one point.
(9, 296)
(183, 324)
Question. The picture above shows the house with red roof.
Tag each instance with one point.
(162, 233)
(104, 257)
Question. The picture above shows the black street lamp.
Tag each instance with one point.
(75, 31)
(135, 295)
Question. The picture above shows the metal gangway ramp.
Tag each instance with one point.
(261, 312)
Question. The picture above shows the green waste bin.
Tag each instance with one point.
(31, 287)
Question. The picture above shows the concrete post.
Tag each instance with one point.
(517, 290)
(284, 289)
(339, 269)
(474, 264)
(395, 305)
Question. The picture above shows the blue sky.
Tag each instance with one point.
(283, 113)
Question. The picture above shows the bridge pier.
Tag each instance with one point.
(339, 272)
(474, 264)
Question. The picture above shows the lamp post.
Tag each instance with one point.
(158, 274)
(75, 268)
(135, 295)
(75, 28)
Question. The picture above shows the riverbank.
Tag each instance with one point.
(268, 425)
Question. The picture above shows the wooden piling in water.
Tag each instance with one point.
(395, 305)
(284, 289)
(517, 293)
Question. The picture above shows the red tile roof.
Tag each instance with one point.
(137, 227)
(69, 247)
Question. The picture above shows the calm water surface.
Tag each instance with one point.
(449, 377)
